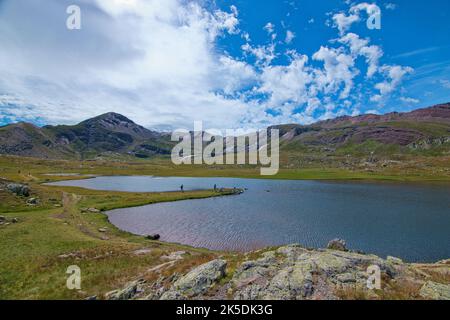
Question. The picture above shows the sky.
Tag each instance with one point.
(232, 64)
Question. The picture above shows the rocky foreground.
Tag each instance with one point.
(296, 273)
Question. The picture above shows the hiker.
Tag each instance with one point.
(215, 188)
(182, 188)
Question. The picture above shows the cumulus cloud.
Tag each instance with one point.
(159, 63)
(338, 70)
(343, 22)
(395, 76)
(361, 47)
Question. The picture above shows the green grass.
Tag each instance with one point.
(30, 267)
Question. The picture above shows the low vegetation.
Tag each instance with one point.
(62, 227)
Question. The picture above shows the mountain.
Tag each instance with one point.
(426, 130)
(107, 133)
(420, 132)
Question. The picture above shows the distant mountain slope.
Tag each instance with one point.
(425, 131)
(110, 132)
(420, 129)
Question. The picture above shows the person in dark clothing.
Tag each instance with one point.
(182, 188)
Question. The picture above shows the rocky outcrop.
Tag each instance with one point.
(337, 244)
(126, 293)
(435, 291)
(296, 273)
(197, 281)
(19, 189)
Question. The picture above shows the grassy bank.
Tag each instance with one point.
(36, 170)
(58, 232)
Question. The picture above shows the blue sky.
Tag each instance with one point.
(230, 63)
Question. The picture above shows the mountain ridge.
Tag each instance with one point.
(422, 129)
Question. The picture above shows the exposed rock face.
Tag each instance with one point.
(197, 281)
(296, 273)
(293, 272)
(435, 291)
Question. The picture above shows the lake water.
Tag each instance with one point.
(403, 220)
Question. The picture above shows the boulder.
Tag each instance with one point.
(199, 280)
(2, 218)
(153, 237)
(33, 201)
(126, 293)
(394, 260)
(337, 244)
(435, 291)
(19, 189)
(93, 210)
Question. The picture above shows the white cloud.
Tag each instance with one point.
(409, 100)
(344, 22)
(394, 76)
(263, 54)
(287, 84)
(445, 83)
(360, 47)
(269, 27)
(289, 36)
(390, 6)
(338, 70)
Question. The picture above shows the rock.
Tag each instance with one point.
(15, 220)
(2, 218)
(33, 201)
(19, 189)
(93, 210)
(199, 280)
(141, 252)
(291, 283)
(173, 256)
(394, 260)
(337, 244)
(346, 278)
(91, 298)
(435, 291)
(153, 237)
(171, 295)
(126, 293)
(103, 229)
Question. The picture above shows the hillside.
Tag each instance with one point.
(107, 133)
(340, 141)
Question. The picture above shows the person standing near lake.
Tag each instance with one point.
(182, 188)
(215, 187)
